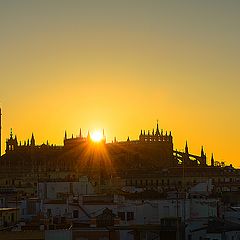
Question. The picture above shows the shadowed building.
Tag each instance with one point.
(79, 153)
(149, 161)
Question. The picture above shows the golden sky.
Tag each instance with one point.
(121, 65)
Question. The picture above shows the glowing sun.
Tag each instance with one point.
(96, 136)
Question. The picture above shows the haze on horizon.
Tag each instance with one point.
(121, 65)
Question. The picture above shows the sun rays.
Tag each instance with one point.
(97, 136)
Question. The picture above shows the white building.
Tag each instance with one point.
(55, 190)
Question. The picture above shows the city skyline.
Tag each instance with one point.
(98, 136)
(120, 66)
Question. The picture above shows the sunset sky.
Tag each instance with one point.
(121, 65)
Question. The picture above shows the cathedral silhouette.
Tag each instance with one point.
(150, 161)
(151, 151)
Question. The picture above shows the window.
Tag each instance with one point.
(75, 213)
(121, 215)
(31, 207)
(130, 216)
(166, 211)
(71, 188)
(12, 217)
(49, 212)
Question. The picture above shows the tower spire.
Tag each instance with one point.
(212, 160)
(80, 133)
(0, 132)
(157, 130)
(11, 133)
(32, 140)
(65, 136)
(103, 136)
(88, 136)
(202, 152)
(186, 148)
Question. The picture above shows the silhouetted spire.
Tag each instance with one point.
(72, 135)
(80, 133)
(186, 148)
(11, 133)
(144, 132)
(157, 130)
(32, 140)
(141, 132)
(202, 152)
(88, 136)
(0, 132)
(128, 139)
(212, 160)
(65, 136)
(170, 134)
